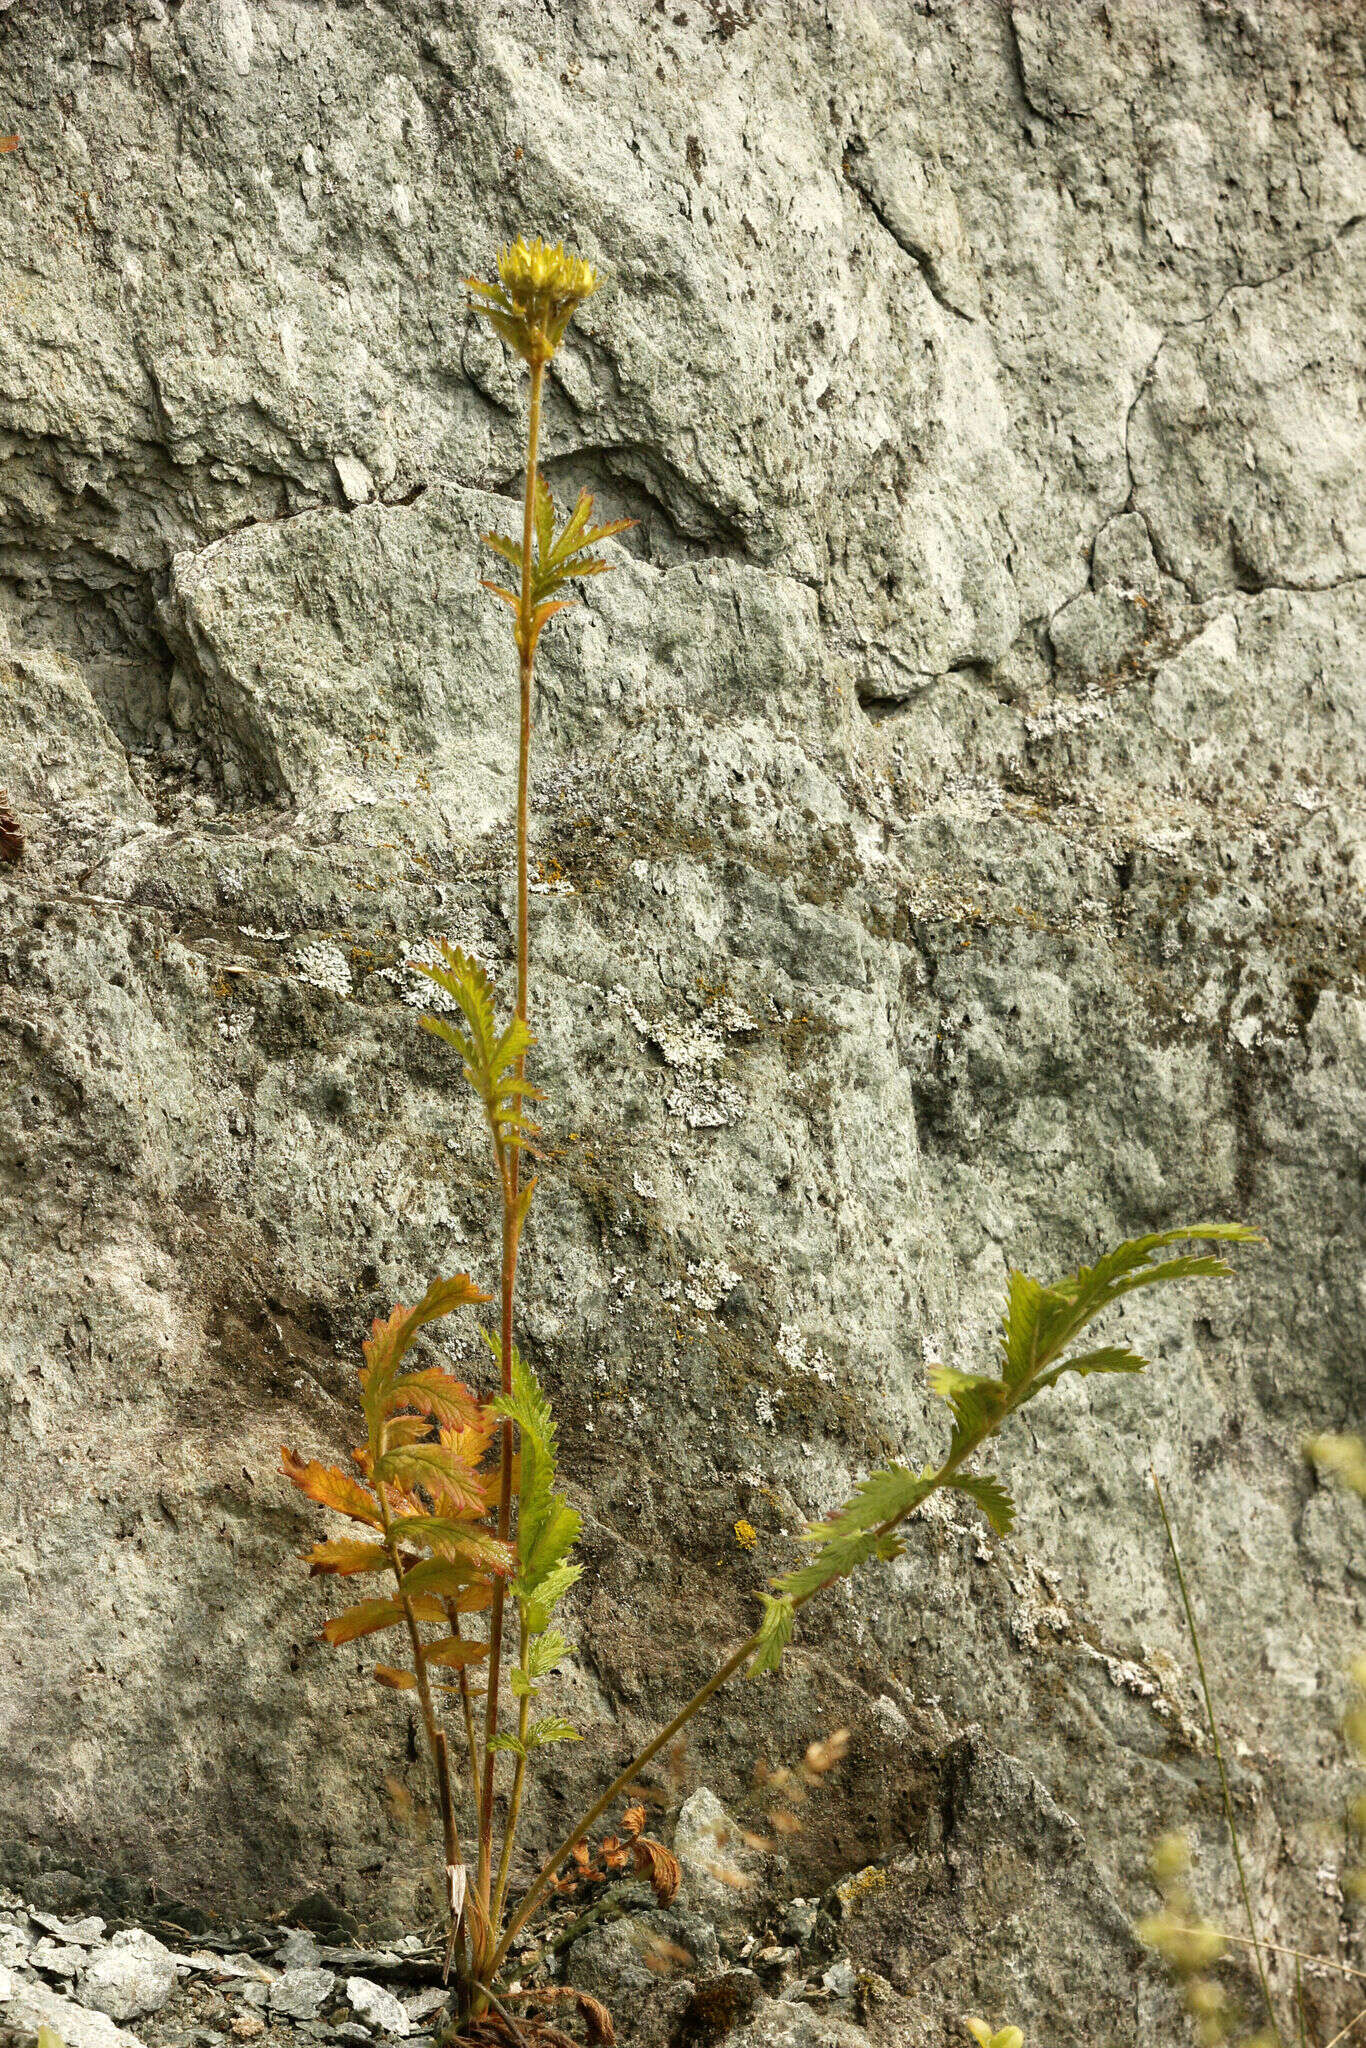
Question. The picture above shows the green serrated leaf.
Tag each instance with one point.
(490, 1057)
(543, 509)
(546, 1653)
(835, 1559)
(538, 1607)
(505, 546)
(553, 1728)
(1069, 1305)
(775, 1632)
(990, 1496)
(506, 1744)
(978, 1401)
(851, 1537)
(1110, 1358)
(1020, 1327)
(554, 1539)
(893, 1491)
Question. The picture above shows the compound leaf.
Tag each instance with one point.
(990, 1496)
(461, 1542)
(553, 1728)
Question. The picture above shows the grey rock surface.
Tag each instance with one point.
(949, 846)
(33, 2005)
(300, 1993)
(378, 2007)
(132, 1977)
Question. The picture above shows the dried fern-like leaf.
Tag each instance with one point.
(659, 1865)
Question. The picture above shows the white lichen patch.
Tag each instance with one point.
(791, 1348)
(698, 1098)
(1069, 715)
(709, 1282)
(323, 965)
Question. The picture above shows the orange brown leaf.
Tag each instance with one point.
(344, 1555)
(659, 1865)
(330, 1487)
(397, 1681)
(438, 1393)
(369, 1616)
(454, 1654)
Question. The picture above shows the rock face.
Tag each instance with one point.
(950, 853)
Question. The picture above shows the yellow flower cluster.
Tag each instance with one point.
(539, 290)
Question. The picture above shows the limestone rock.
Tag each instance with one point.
(949, 856)
(301, 1993)
(377, 2007)
(132, 1977)
(33, 2006)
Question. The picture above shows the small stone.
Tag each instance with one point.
(301, 1994)
(256, 1994)
(350, 2030)
(55, 1959)
(299, 1951)
(248, 2025)
(422, 2004)
(87, 1933)
(32, 2006)
(134, 1976)
(358, 486)
(799, 1921)
(204, 1960)
(377, 2006)
(841, 1979)
(6, 1985)
(179, 702)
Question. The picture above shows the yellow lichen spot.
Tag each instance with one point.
(746, 1535)
(857, 1887)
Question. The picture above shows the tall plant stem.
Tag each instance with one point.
(466, 1702)
(518, 1785)
(1219, 1758)
(510, 1176)
(436, 1739)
